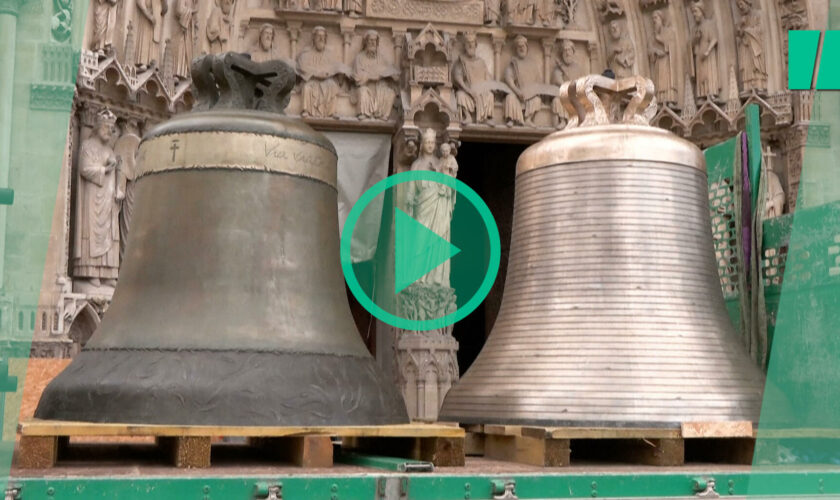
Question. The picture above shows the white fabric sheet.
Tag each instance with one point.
(362, 162)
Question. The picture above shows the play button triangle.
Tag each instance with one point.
(418, 249)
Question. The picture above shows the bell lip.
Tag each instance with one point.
(622, 142)
(240, 120)
(222, 388)
(607, 424)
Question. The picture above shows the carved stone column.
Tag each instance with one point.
(795, 143)
(594, 57)
(347, 35)
(399, 42)
(294, 34)
(498, 45)
(547, 46)
(9, 10)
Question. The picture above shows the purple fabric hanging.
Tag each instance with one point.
(746, 206)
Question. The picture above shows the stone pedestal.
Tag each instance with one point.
(427, 368)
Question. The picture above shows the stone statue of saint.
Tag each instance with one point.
(149, 31)
(774, 201)
(468, 73)
(522, 11)
(265, 44)
(354, 7)
(622, 55)
(751, 60)
(103, 25)
(375, 77)
(126, 150)
(318, 70)
(663, 59)
(321, 5)
(492, 11)
(97, 242)
(185, 12)
(520, 108)
(431, 203)
(566, 68)
(547, 12)
(705, 62)
(218, 26)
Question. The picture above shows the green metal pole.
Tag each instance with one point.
(806, 483)
(9, 10)
(385, 463)
(754, 150)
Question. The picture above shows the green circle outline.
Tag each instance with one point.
(492, 265)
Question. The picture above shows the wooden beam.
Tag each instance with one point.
(58, 428)
(528, 450)
(37, 452)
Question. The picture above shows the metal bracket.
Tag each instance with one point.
(705, 488)
(12, 493)
(392, 488)
(504, 490)
(265, 491)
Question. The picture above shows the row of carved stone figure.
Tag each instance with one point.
(353, 7)
(703, 64)
(522, 85)
(548, 13)
(373, 76)
(144, 37)
(375, 80)
(511, 12)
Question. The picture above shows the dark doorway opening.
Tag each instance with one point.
(488, 168)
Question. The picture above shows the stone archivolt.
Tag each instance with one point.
(688, 47)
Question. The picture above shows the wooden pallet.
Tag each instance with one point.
(724, 442)
(43, 442)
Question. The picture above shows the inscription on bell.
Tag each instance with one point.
(281, 152)
(308, 159)
(239, 152)
(274, 151)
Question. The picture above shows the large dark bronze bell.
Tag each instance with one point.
(612, 313)
(231, 307)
